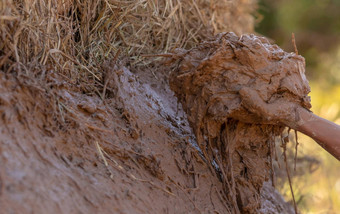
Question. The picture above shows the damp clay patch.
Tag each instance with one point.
(211, 82)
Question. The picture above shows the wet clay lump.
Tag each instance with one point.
(212, 81)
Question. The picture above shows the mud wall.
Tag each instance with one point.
(133, 153)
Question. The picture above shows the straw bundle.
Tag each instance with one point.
(75, 37)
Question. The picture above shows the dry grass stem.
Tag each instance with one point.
(75, 37)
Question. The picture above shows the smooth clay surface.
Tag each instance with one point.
(212, 82)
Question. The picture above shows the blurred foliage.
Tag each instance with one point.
(316, 25)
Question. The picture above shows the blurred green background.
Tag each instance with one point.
(316, 25)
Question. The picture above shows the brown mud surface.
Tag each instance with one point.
(212, 81)
(63, 151)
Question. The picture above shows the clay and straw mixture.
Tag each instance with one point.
(89, 125)
(211, 82)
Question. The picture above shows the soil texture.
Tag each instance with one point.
(63, 151)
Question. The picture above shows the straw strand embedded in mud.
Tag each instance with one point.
(100, 152)
(284, 141)
(212, 79)
(296, 148)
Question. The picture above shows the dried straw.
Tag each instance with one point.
(75, 37)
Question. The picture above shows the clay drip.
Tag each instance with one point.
(234, 138)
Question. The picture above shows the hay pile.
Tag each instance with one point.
(74, 37)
